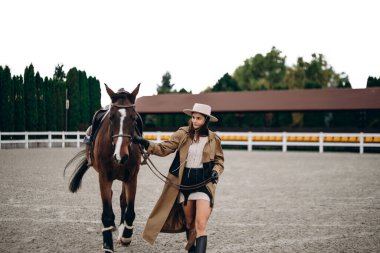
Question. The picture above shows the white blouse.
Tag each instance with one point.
(194, 156)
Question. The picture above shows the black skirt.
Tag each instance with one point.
(192, 177)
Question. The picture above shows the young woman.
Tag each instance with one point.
(199, 158)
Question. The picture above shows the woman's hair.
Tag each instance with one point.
(202, 131)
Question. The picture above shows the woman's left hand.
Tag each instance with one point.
(214, 176)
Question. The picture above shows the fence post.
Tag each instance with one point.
(63, 139)
(249, 141)
(0, 139)
(361, 141)
(49, 138)
(158, 136)
(320, 142)
(26, 140)
(284, 142)
(78, 143)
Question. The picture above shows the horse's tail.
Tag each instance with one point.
(80, 169)
(80, 154)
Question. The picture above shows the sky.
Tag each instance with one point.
(123, 43)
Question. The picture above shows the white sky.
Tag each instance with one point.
(124, 43)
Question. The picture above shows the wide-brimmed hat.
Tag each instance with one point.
(203, 109)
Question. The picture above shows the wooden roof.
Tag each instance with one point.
(271, 100)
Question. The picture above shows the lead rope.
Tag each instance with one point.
(162, 177)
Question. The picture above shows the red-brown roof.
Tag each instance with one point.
(272, 100)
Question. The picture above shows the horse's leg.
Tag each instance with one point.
(123, 204)
(108, 217)
(129, 215)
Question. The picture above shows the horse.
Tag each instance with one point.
(115, 157)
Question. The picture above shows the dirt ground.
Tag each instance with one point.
(266, 202)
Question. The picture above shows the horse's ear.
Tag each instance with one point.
(136, 90)
(109, 91)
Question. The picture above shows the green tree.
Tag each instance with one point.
(7, 100)
(59, 73)
(41, 108)
(95, 95)
(84, 98)
(30, 95)
(373, 82)
(60, 97)
(261, 72)
(19, 103)
(72, 83)
(166, 85)
(1, 92)
(51, 104)
(226, 83)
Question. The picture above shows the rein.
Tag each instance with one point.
(150, 164)
(165, 179)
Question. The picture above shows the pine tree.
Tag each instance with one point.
(84, 98)
(60, 97)
(51, 105)
(7, 100)
(30, 99)
(72, 83)
(19, 104)
(1, 92)
(41, 126)
(94, 87)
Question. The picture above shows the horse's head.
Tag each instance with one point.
(122, 120)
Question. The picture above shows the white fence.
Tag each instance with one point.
(247, 139)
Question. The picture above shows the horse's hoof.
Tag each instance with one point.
(107, 250)
(124, 241)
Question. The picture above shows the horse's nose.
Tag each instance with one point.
(124, 159)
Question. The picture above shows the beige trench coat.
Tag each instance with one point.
(179, 140)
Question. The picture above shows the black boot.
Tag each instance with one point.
(201, 244)
(192, 248)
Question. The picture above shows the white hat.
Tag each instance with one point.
(201, 108)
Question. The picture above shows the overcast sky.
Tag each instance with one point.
(124, 43)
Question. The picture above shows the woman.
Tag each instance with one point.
(199, 158)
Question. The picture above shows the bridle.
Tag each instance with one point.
(111, 129)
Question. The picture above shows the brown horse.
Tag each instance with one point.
(115, 157)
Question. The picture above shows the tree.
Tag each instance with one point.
(59, 73)
(60, 100)
(72, 83)
(7, 100)
(261, 72)
(19, 104)
(51, 104)
(41, 108)
(30, 95)
(84, 98)
(95, 95)
(373, 82)
(1, 92)
(226, 83)
(166, 86)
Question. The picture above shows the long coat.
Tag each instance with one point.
(179, 141)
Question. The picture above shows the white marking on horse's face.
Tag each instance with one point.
(123, 113)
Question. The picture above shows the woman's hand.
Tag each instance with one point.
(140, 140)
(214, 177)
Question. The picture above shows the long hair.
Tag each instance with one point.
(202, 131)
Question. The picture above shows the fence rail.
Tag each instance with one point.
(248, 139)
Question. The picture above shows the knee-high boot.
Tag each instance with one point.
(201, 244)
(192, 248)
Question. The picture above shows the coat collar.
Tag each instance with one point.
(211, 134)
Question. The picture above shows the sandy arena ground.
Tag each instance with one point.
(266, 202)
